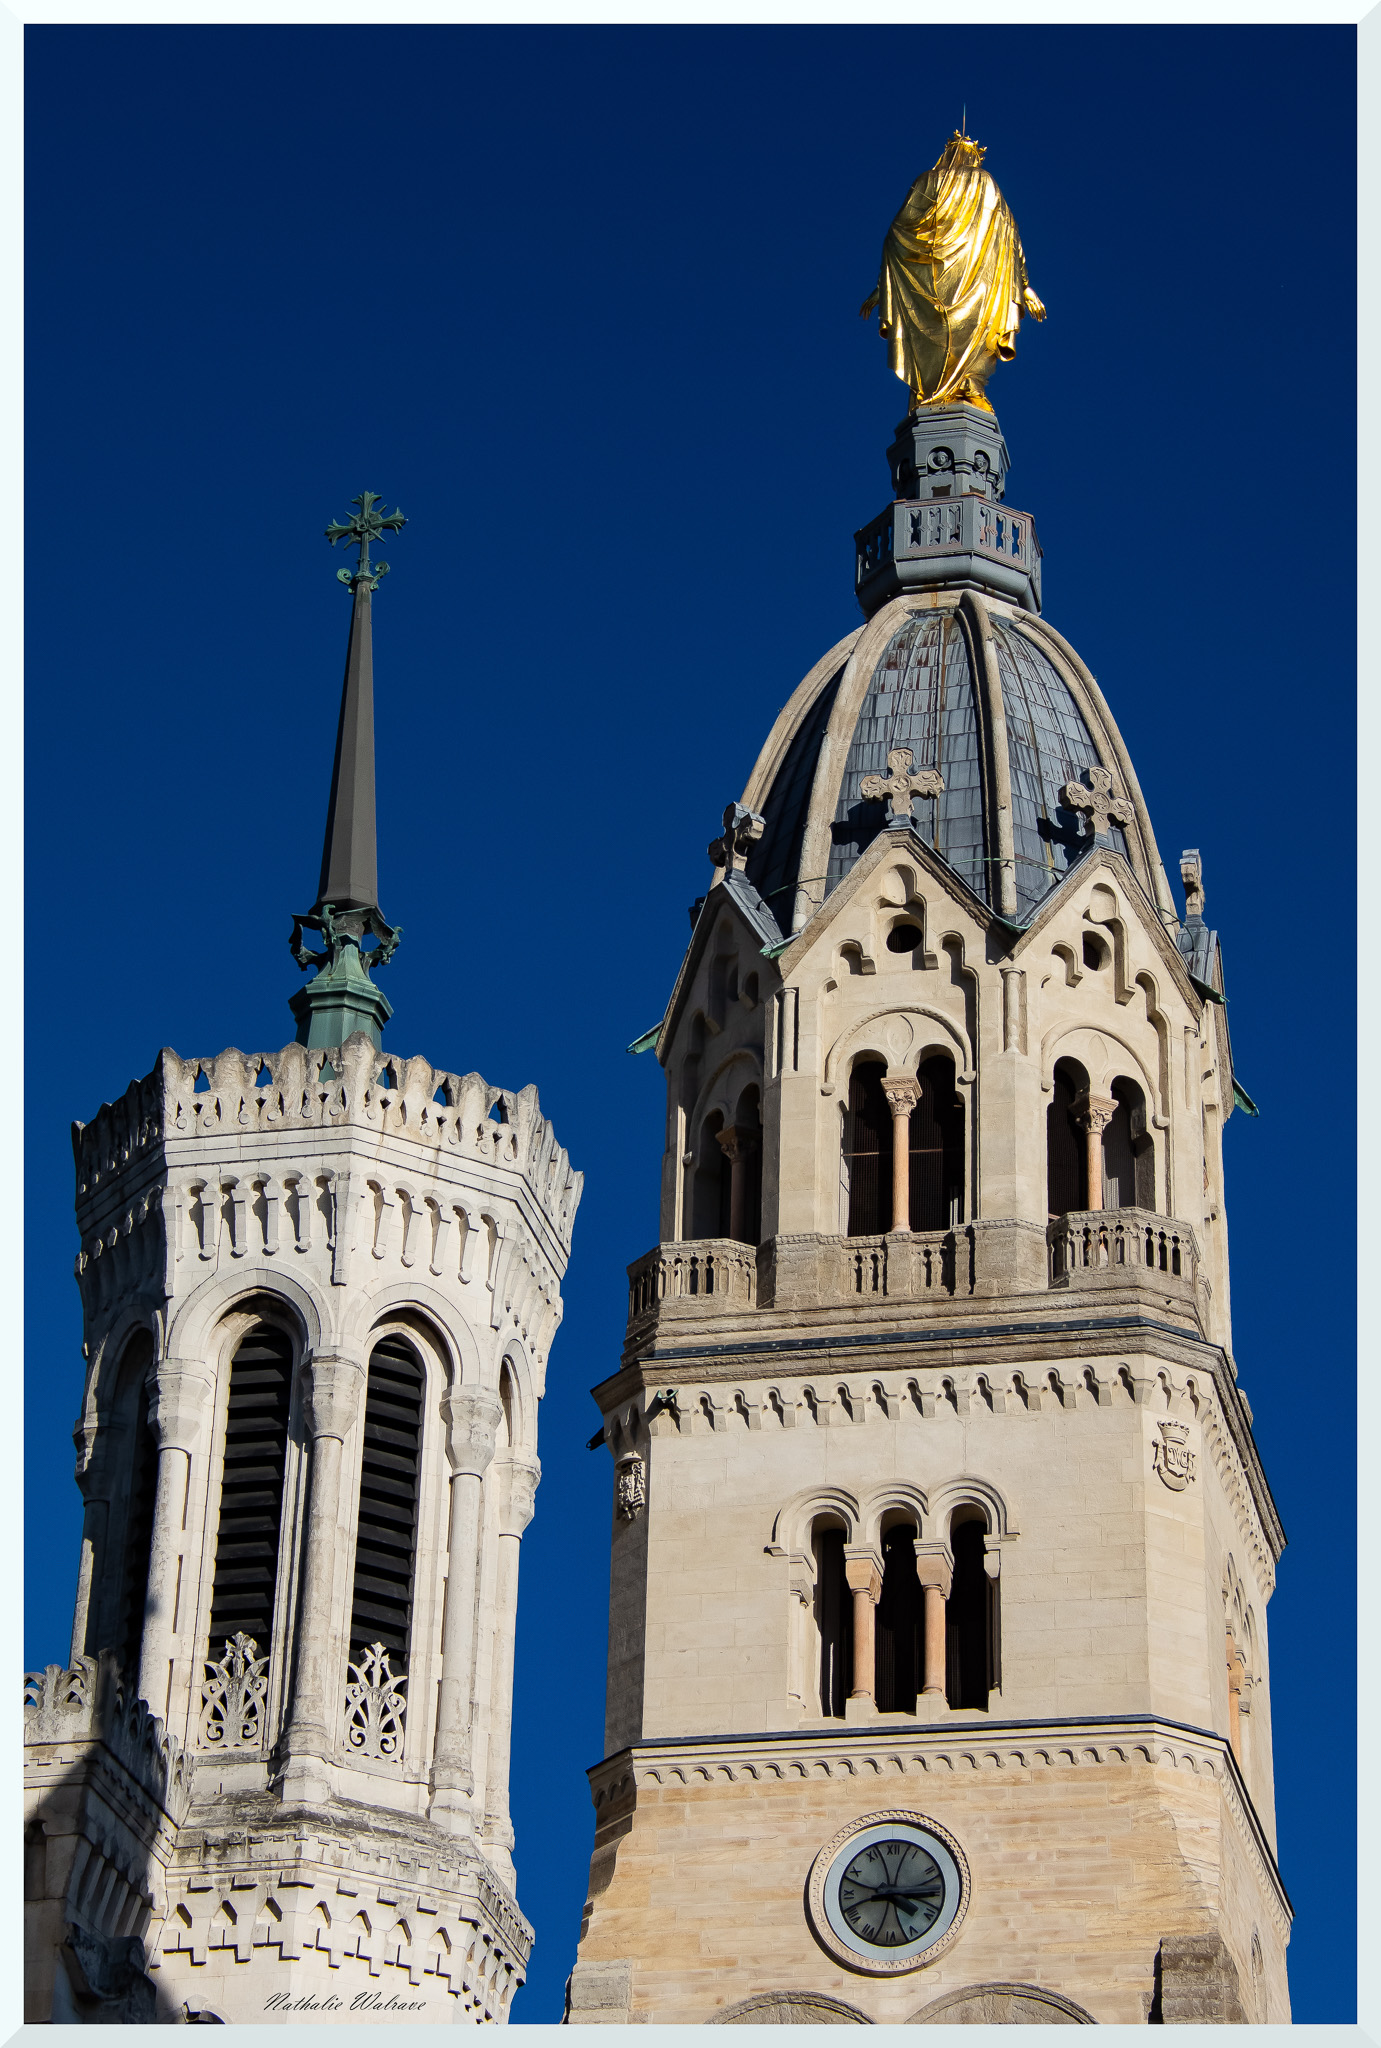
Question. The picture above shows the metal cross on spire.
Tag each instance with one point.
(900, 786)
(1098, 801)
(741, 828)
(367, 525)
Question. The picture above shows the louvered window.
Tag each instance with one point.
(256, 1443)
(381, 1610)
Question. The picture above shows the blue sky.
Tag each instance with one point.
(584, 302)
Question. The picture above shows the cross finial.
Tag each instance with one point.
(1098, 801)
(900, 786)
(367, 525)
(741, 828)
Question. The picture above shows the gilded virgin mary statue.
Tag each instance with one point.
(953, 284)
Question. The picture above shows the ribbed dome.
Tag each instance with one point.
(981, 691)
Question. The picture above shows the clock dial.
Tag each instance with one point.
(891, 1893)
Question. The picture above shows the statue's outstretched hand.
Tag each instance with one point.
(1034, 306)
(869, 304)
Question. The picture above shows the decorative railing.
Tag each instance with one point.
(91, 1700)
(828, 1272)
(232, 1698)
(375, 1707)
(1108, 1246)
(705, 1275)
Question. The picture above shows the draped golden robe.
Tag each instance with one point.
(953, 285)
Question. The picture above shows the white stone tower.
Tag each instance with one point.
(320, 1285)
(938, 1684)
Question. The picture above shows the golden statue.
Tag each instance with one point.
(953, 284)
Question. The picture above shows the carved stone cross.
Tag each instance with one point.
(741, 828)
(1097, 801)
(900, 786)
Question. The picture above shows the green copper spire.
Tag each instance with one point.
(341, 998)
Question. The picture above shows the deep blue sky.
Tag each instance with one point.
(584, 302)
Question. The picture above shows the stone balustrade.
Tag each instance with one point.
(709, 1277)
(841, 1272)
(1111, 1247)
(702, 1276)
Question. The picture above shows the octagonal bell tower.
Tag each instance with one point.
(320, 1285)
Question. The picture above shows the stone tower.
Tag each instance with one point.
(938, 1683)
(320, 1285)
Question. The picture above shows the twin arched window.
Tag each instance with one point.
(936, 1150)
(1126, 1149)
(726, 1187)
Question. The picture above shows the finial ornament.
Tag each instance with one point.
(953, 286)
(367, 525)
(900, 786)
(1192, 875)
(741, 828)
(1098, 801)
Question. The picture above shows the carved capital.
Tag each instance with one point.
(935, 1565)
(738, 1141)
(472, 1416)
(334, 1387)
(1094, 1112)
(182, 1396)
(521, 1478)
(903, 1092)
(863, 1572)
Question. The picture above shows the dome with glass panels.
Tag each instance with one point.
(956, 664)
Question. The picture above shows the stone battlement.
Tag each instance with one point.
(238, 1094)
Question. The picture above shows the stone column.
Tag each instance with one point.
(935, 1570)
(864, 1576)
(1095, 1113)
(1236, 1674)
(903, 1092)
(738, 1144)
(472, 1416)
(518, 1484)
(181, 1405)
(335, 1386)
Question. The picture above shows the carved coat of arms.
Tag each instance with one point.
(630, 1485)
(1172, 1456)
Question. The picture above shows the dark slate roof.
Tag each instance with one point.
(774, 861)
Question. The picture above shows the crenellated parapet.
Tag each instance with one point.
(349, 1086)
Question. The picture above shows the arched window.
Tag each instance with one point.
(970, 1616)
(386, 1525)
(937, 1148)
(139, 1504)
(711, 1187)
(1066, 1155)
(245, 1575)
(1129, 1165)
(834, 1619)
(745, 1202)
(868, 1151)
(898, 1634)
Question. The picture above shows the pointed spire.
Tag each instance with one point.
(349, 858)
(341, 998)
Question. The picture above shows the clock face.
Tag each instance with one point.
(888, 1893)
(891, 1893)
